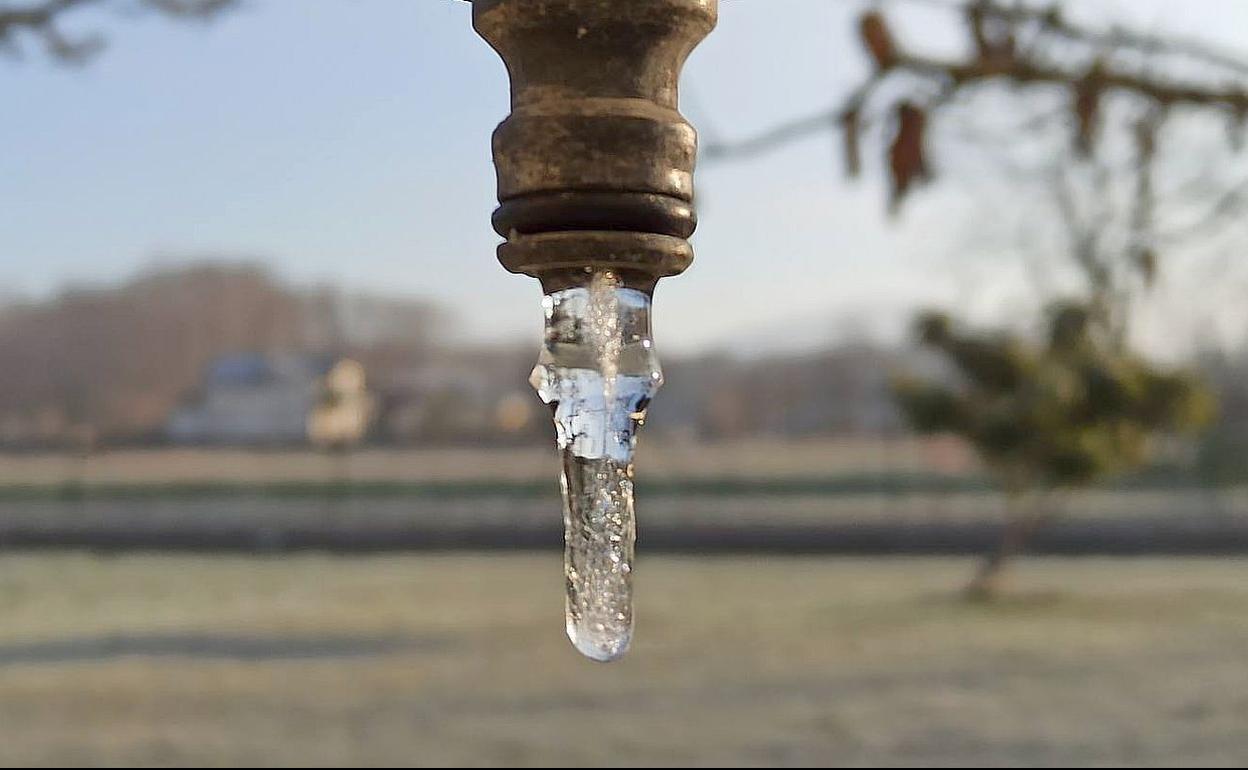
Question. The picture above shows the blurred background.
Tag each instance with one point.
(949, 467)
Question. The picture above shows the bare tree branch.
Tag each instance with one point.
(40, 20)
(1003, 60)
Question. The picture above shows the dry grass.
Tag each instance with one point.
(460, 660)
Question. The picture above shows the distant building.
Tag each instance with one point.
(254, 399)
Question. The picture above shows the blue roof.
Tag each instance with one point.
(240, 369)
(250, 370)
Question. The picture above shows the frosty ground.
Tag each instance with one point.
(432, 659)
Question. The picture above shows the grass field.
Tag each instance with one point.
(460, 660)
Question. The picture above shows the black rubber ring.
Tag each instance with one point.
(601, 211)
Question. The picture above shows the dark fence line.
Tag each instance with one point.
(843, 484)
(1117, 537)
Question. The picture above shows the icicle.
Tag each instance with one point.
(598, 372)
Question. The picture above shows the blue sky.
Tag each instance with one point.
(348, 141)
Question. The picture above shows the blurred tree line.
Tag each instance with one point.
(111, 363)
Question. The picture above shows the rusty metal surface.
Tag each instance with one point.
(595, 163)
